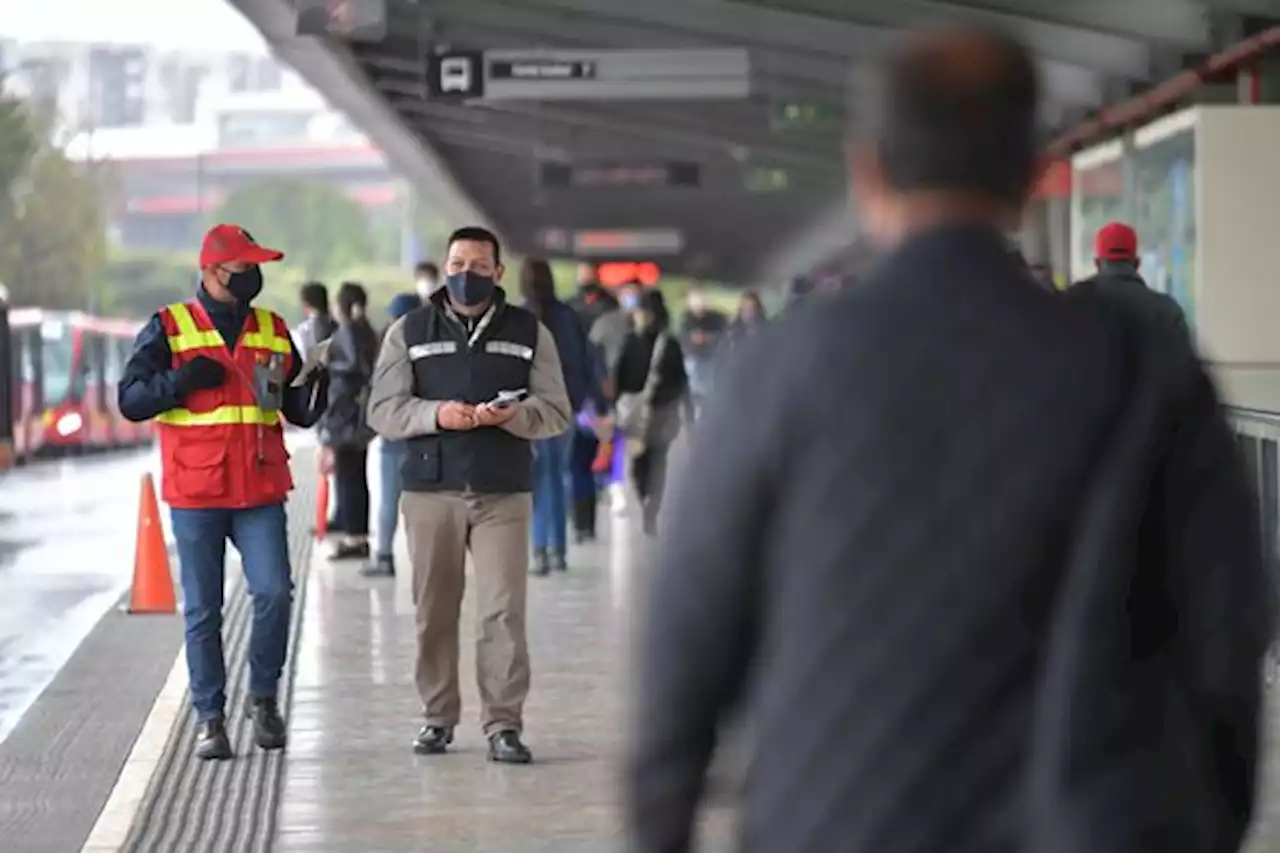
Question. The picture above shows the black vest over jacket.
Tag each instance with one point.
(448, 366)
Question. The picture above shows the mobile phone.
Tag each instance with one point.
(507, 398)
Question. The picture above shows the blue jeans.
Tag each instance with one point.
(259, 534)
(550, 515)
(392, 458)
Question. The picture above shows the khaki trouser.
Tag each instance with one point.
(441, 527)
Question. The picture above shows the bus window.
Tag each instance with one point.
(93, 354)
(57, 351)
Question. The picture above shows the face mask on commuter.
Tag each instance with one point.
(426, 286)
(245, 285)
(469, 288)
(630, 300)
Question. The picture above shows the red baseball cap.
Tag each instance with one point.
(1115, 241)
(229, 243)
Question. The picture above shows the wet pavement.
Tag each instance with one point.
(66, 554)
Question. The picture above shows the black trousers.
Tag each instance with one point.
(649, 474)
(351, 483)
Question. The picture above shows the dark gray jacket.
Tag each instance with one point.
(997, 589)
(1123, 287)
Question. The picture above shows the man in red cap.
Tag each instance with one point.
(219, 376)
(1118, 281)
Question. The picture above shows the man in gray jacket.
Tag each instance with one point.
(468, 381)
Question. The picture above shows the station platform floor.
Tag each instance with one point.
(102, 761)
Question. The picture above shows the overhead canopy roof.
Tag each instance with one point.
(769, 198)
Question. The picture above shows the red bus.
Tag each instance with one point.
(67, 366)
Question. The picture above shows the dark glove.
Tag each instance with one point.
(200, 373)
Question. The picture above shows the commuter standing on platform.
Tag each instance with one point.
(318, 324)
(984, 559)
(390, 461)
(426, 276)
(1119, 282)
(468, 382)
(217, 374)
(551, 456)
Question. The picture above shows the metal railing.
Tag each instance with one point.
(1258, 433)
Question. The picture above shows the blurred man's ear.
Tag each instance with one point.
(498, 272)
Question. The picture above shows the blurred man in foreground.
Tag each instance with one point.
(996, 584)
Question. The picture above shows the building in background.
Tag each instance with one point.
(182, 129)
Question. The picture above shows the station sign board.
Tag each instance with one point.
(549, 75)
(542, 68)
(627, 242)
(618, 175)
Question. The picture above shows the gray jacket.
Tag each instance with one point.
(395, 412)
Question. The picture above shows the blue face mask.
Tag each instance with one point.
(469, 288)
(630, 301)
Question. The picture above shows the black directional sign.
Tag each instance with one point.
(618, 175)
(540, 68)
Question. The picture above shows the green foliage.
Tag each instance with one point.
(317, 227)
(18, 145)
(136, 283)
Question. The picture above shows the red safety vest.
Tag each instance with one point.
(221, 451)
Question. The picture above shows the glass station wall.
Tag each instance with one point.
(1163, 163)
(1097, 197)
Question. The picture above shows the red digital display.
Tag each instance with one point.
(618, 273)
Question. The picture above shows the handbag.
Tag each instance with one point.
(635, 410)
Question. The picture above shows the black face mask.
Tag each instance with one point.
(246, 285)
(469, 288)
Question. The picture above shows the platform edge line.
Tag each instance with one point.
(111, 830)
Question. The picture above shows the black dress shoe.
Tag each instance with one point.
(559, 563)
(269, 730)
(212, 743)
(383, 567)
(541, 563)
(506, 748)
(351, 551)
(433, 740)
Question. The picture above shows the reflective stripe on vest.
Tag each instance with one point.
(220, 416)
(190, 337)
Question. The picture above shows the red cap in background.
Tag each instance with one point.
(1116, 241)
(226, 244)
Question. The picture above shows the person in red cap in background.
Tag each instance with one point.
(1118, 282)
(218, 375)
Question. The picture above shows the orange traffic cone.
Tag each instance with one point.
(152, 582)
(322, 508)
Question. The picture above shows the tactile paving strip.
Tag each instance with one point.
(232, 806)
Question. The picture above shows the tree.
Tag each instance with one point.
(51, 221)
(318, 228)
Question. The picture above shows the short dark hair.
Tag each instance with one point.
(480, 235)
(315, 296)
(958, 111)
(538, 282)
(427, 268)
(655, 303)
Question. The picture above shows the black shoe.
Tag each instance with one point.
(541, 563)
(269, 730)
(383, 567)
(350, 551)
(559, 562)
(433, 740)
(506, 748)
(212, 743)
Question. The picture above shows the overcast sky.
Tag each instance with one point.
(181, 24)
